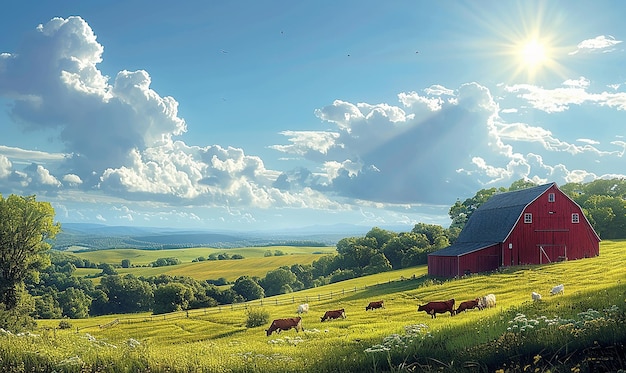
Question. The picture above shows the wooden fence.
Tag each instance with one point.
(273, 301)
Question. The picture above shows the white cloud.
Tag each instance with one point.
(602, 43)
(588, 141)
(306, 141)
(5, 166)
(560, 99)
(72, 180)
(56, 85)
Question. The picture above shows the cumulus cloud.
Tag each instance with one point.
(5, 166)
(395, 154)
(54, 82)
(602, 43)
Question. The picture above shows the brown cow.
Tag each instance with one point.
(331, 315)
(433, 308)
(468, 305)
(375, 305)
(285, 324)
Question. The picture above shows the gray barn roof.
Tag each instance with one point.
(492, 221)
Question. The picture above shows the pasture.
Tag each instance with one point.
(255, 263)
(216, 339)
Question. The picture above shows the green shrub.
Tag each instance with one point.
(256, 317)
(65, 324)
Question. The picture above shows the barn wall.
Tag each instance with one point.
(551, 236)
(442, 266)
(484, 260)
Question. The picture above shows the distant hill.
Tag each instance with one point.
(98, 237)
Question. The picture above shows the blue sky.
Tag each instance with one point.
(250, 115)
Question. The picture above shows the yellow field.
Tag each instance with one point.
(253, 264)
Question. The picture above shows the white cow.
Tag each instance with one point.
(559, 289)
(303, 308)
(487, 301)
(536, 296)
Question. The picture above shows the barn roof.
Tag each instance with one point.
(492, 221)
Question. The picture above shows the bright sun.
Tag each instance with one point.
(533, 54)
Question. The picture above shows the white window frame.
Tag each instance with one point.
(575, 218)
(551, 197)
(528, 218)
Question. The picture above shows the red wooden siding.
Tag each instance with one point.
(550, 236)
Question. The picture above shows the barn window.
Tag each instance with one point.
(528, 218)
(551, 197)
(575, 218)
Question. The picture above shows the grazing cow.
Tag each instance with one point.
(488, 301)
(285, 324)
(303, 308)
(559, 289)
(375, 305)
(433, 308)
(536, 296)
(468, 305)
(331, 315)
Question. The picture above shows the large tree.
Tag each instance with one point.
(25, 227)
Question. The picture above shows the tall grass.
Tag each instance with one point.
(391, 339)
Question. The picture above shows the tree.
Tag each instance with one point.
(382, 236)
(125, 263)
(522, 184)
(107, 269)
(124, 294)
(172, 297)
(75, 303)
(47, 307)
(248, 288)
(25, 227)
(399, 247)
(274, 281)
(460, 212)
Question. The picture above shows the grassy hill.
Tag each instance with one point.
(559, 333)
(255, 263)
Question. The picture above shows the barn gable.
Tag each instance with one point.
(496, 233)
(492, 222)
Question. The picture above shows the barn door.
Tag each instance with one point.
(549, 253)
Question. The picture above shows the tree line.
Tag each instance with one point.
(38, 283)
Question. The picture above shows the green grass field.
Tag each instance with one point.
(216, 339)
(255, 263)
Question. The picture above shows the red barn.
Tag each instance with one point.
(530, 226)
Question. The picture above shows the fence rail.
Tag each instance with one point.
(274, 301)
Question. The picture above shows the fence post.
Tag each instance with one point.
(277, 301)
(293, 299)
(331, 295)
(343, 291)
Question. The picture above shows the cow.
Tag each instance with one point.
(468, 305)
(303, 308)
(285, 324)
(433, 308)
(559, 289)
(331, 315)
(488, 301)
(535, 296)
(375, 305)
